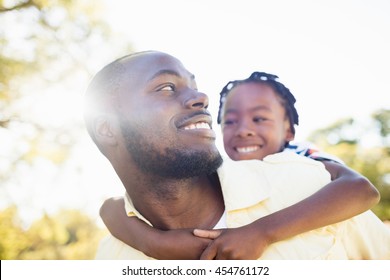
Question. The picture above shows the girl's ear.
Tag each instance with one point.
(104, 130)
(289, 133)
(289, 136)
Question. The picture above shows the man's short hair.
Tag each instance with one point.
(102, 91)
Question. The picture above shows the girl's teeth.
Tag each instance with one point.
(247, 149)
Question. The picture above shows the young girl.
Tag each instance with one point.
(258, 118)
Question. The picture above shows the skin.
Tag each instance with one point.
(255, 125)
(179, 116)
(348, 195)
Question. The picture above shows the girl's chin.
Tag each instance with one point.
(245, 157)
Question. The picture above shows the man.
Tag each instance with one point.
(147, 117)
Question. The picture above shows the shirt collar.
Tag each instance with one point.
(131, 211)
(243, 183)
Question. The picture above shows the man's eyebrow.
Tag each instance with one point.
(169, 72)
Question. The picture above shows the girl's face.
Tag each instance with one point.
(254, 122)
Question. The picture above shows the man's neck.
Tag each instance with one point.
(172, 204)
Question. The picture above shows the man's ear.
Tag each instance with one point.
(105, 130)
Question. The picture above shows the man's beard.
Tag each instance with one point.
(173, 162)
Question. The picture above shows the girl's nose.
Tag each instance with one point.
(245, 130)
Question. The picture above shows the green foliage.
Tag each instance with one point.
(347, 139)
(383, 119)
(49, 50)
(12, 237)
(45, 46)
(50, 46)
(68, 235)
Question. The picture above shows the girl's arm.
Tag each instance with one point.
(158, 244)
(349, 194)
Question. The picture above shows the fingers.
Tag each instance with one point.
(209, 253)
(210, 234)
(213, 252)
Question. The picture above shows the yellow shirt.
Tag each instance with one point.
(253, 189)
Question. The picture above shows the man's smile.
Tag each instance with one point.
(199, 125)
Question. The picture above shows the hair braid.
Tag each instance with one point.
(288, 99)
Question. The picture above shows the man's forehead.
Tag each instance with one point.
(148, 65)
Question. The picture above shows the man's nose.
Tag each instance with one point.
(196, 99)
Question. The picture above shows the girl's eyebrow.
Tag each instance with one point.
(257, 108)
(261, 107)
(230, 111)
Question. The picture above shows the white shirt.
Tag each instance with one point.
(253, 189)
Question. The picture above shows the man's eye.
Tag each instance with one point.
(167, 88)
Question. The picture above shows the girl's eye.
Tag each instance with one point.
(228, 122)
(259, 119)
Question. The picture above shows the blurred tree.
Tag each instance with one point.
(45, 43)
(382, 117)
(12, 237)
(365, 148)
(48, 52)
(69, 235)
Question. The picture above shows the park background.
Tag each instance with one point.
(333, 55)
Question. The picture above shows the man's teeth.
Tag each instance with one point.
(201, 125)
(247, 149)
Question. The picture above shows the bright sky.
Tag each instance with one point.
(333, 55)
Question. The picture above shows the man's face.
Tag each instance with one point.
(163, 118)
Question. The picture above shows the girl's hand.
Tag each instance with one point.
(243, 243)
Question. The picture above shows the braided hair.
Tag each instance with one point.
(287, 98)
